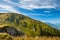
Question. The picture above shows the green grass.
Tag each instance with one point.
(29, 26)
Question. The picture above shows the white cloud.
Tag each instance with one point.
(9, 8)
(30, 4)
(10, 2)
(40, 7)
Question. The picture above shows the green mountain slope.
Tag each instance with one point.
(27, 25)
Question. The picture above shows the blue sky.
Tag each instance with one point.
(42, 10)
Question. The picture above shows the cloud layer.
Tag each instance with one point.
(17, 5)
(39, 4)
(33, 8)
(30, 4)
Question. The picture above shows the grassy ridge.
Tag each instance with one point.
(28, 25)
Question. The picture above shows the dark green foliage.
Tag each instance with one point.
(11, 18)
(21, 17)
(17, 22)
(24, 24)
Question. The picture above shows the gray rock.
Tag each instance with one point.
(12, 31)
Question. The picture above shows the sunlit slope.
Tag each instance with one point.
(29, 26)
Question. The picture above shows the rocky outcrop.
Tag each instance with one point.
(12, 31)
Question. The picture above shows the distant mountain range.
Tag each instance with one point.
(27, 25)
(56, 25)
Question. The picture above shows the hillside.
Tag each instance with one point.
(27, 25)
